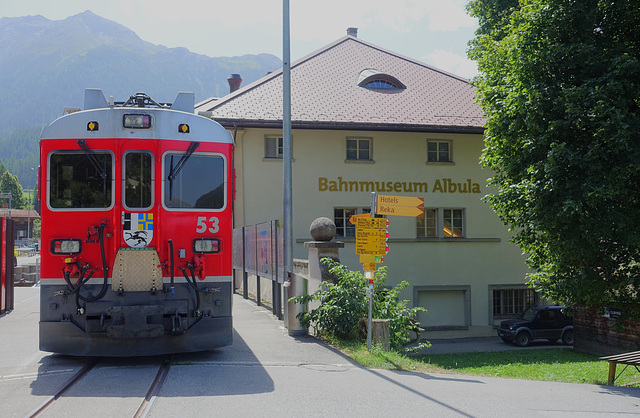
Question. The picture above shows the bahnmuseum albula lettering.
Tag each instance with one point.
(444, 185)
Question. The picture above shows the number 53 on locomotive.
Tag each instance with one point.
(137, 201)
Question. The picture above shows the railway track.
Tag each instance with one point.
(82, 385)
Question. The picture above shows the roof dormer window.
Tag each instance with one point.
(377, 80)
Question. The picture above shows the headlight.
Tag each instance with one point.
(206, 245)
(66, 246)
(136, 121)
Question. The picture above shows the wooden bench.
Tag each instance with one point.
(628, 359)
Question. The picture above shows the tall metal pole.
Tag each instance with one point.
(369, 275)
(287, 189)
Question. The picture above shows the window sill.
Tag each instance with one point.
(359, 161)
(276, 159)
(440, 163)
(411, 240)
(461, 239)
(446, 328)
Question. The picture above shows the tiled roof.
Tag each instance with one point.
(325, 94)
(19, 213)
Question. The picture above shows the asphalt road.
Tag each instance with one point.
(268, 373)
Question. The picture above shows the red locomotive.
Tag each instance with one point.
(137, 201)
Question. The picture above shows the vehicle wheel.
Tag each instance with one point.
(567, 338)
(523, 339)
(552, 340)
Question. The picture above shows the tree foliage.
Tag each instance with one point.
(9, 184)
(560, 86)
(19, 152)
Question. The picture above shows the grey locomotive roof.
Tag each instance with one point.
(110, 117)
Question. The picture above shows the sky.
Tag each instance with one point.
(435, 32)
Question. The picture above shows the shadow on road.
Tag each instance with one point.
(232, 370)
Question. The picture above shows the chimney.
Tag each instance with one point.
(352, 32)
(234, 82)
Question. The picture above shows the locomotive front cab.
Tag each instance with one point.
(136, 232)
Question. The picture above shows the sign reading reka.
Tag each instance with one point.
(444, 185)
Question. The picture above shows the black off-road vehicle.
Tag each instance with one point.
(540, 322)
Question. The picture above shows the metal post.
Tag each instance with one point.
(369, 276)
(245, 275)
(29, 218)
(287, 193)
(258, 291)
(277, 303)
(7, 196)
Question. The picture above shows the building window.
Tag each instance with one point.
(440, 223)
(512, 302)
(373, 79)
(452, 226)
(428, 224)
(359, 149)
(380, 84)
(341, 219)
(439, 152)
(273, 147)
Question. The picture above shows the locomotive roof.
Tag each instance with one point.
(109, 117)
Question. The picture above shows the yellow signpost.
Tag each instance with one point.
(353, 219)
(371, 234)
(376, 223)
(369, 267)
(371, 247)
(399, 205)
(371, 237)
(370, 258)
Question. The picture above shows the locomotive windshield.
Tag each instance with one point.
(199, 184)
(76, 183)
(137, 179)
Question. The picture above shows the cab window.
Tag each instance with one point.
(197, 181)
(75, 182)
(138, 180)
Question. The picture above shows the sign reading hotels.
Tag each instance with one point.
(399, 205)
(372, 233)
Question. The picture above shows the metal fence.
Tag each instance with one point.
(259, 250)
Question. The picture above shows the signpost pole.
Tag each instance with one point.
(369, 276)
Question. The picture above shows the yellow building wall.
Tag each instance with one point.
(457, 270)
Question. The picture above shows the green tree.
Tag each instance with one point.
(560, 85)
(9, 184)
(35, 233)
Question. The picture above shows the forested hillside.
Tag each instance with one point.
(19, 154)
(46, 65)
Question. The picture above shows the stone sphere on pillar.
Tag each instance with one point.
(323, 229)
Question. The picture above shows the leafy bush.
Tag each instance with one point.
(342, 304)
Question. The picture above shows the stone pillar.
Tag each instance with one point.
(322, 230)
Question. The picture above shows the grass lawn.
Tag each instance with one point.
(552, 364)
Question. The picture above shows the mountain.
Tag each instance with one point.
(45, 65)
